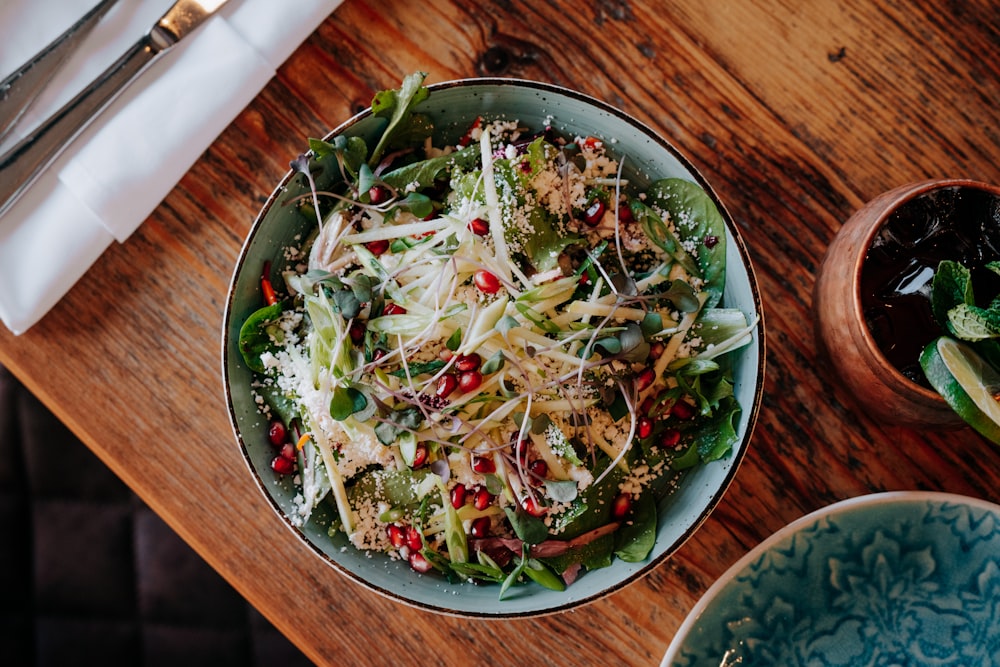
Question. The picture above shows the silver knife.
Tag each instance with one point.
(22, 86)
(26, 160)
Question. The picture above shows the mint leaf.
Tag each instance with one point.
(970, 322)
(951, 286)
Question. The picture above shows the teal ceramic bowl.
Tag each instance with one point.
(905, 578)
(452, 106)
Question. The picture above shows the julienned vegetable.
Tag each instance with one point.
(494, 358)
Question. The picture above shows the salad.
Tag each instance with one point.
(493, 359)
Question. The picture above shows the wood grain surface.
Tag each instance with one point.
(796, 111)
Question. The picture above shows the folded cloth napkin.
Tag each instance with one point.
(119, 169)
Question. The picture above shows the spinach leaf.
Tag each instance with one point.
(593, 555)
(635, 539)
(716, 436)
(259, 335)
(530, 529)
(396, 487)
(698, 222)
(426, 172)
(347, 401)
(397, 106)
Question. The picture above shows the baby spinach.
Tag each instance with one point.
(635, 539)
(698, 223)
(260, 333)
(397, 106)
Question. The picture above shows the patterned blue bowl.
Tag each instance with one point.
(903, 578)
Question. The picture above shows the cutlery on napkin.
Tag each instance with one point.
(120, 168)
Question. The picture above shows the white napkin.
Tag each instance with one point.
(114, 175)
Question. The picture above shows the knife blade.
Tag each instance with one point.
(25, 161)
(20, 88)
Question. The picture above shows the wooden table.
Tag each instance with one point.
(797, 112)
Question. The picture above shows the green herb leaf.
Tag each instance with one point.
(346, 401)
(494, 363)
(635, 539)
(698, 223)
(397, 106)
(970, 322)
(506, 323)
(951, 286)
(531, 529)
(419, 368)
(398, 421)
(454, 340)
(258, 335)
(561, 491)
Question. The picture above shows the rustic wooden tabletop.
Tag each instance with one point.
(796, 112)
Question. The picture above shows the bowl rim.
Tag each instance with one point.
(752, 410)
(840, 507)
(894, 199)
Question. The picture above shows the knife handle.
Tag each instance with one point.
(25, 161)
(22, 86)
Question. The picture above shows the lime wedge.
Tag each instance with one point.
(966, 383)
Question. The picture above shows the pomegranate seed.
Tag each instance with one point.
(482, 499)
(357, 331)
(414, 539)
(446, 384)
(521, 449)
(393, 309)
(378, 354)
(288, 451)
(479, 227)
(480, 527)
(486, 281)
(682, 410)
(532, 506)
(420, 455)
(458, 494)
(624, 213)
(397, 536)
(644, 380)
(276, 433)
(377, 247)
(538, 468)
(646, 407)
(470, 381)
(670, 438)
(645, 427)
(593, 214)
(282, 465)
(711, 241)
(419, 563)
(621, 506)
(378, 194)
(468, 362)
(656, 349)
(483, 465)
(445, 355)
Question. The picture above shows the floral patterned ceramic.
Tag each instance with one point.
(905, 578)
